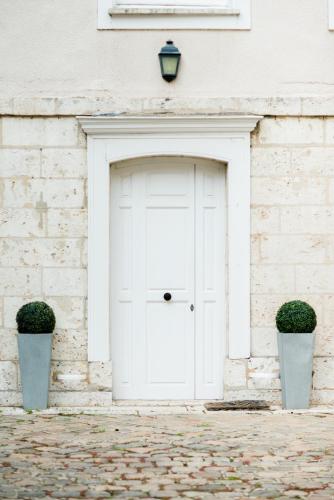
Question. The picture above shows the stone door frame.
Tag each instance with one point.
(221, 138)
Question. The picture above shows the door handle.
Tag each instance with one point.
(167, 296)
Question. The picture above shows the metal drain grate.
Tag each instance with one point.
(238, 405)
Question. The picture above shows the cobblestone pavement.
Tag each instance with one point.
(222, 455)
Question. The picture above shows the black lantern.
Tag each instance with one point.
(169, 57)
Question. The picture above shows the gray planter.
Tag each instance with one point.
(296, 360)
(35, 360)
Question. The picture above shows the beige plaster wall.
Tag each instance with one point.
(52, 47)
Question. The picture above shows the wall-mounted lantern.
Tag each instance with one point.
(169, 57)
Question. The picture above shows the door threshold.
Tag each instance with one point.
(162, 402)
(143, 407)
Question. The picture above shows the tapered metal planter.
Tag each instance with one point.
(35, 359)
(296, 361)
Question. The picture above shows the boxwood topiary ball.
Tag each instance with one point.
(35, 317)
(296, 317)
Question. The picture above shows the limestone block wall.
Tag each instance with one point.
(43, 237)
(43, 229)
(292, 248)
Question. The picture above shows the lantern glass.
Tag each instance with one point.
(169, 64)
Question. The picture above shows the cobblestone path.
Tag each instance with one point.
(223, 455)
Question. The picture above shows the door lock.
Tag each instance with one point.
(192, 307)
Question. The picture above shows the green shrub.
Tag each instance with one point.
(35, 317)
(296, 317)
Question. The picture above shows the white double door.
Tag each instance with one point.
(167, 237)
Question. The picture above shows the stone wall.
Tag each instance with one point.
(292, 247)
(43, 218)
(43, 227)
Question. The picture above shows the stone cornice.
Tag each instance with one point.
(90, 105)
(154, 125)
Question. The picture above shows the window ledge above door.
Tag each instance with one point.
(179, 15)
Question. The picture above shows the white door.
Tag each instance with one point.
(167, 279)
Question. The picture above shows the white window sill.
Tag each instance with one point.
(181, 11)
(155, 17)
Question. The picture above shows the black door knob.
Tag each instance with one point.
(167, 296)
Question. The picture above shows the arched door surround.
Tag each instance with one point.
(222, 138)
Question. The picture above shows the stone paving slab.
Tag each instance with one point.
(196, 456)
